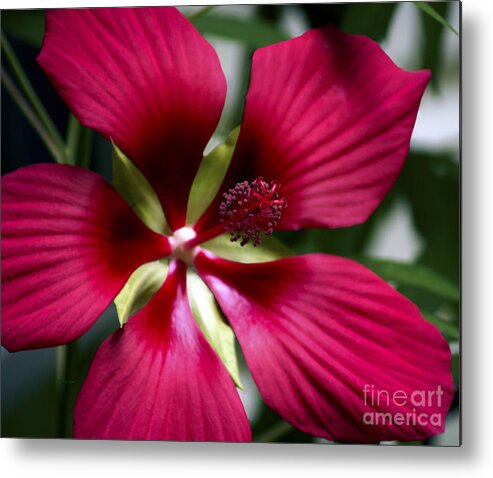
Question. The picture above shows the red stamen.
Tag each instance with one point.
(249, 209)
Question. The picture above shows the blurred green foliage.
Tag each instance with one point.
(253, 32)
(24, 25)
(370, 19)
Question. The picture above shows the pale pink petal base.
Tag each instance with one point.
(317, 331)
(69, 243)
(158, 379)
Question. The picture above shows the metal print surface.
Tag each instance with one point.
(235, 223)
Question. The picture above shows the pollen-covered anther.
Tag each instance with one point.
(252, 208)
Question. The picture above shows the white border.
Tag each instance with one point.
(66, 458)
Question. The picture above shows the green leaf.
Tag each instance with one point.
(254, 32)
(137, 191)
(412, 275)
(210, 176)
(449, 330)
(370, 19)
(212, 324)
(140, 287)
(428, 9)
(270, 250)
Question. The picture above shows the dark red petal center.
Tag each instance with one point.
(251, 208)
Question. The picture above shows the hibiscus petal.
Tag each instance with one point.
(145, 78)
(159, 379)
(69, 243)
(318, 330)
(329, 116)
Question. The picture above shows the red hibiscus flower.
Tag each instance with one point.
(326, 129)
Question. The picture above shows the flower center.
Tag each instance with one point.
(251, 208)
(179, 241)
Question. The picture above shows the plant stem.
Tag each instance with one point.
(200, 12)
(32, 118)
(79, 143)
(275, 432)
(64, 356)
(32, 99)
